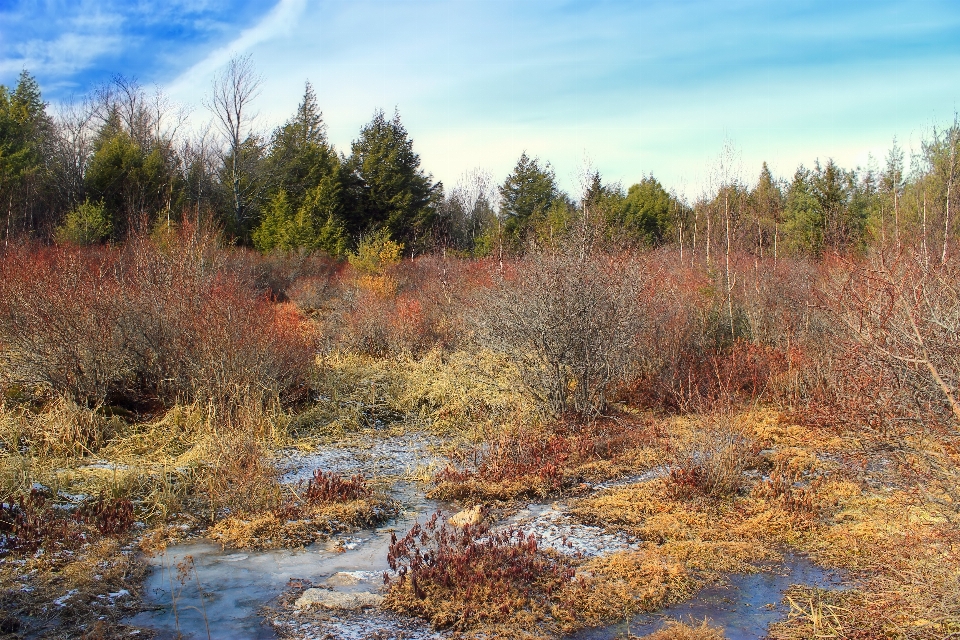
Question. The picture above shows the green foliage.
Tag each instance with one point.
(300, 157)
(312, 226)
(387, 188)
(766, 198)
(804, 217)
(23, 124)
(89, 223)
(26, 133)
(555, 224)
(646, 211)
(130, 181)
(828, 209)
(526, 194)
(376, 253)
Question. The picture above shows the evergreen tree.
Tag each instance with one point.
(300, 156)
(804, 215)
(129, 181)
(25, 131)
(646, 211)
(88, 223)
(386, 187)
(306, 203)
(526, 193)
(765, 203)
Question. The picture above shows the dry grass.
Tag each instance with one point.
(681, 631)
(535, 462)
(277, 530)
(623, 584)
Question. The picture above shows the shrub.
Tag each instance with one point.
(419, 307)
(897, 325)
(31, 521)
(462, 577)
(110, 516)
(520, 462)
(89, 223)
(144, 325)
(326, 486)
(570, 322)
(711, 458)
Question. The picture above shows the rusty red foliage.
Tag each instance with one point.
(486, 575)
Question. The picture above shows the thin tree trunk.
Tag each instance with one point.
(693, 250)
(681, 241)
(6, 242)
(896, 218)
(946, 224)
(708, 237)
(776, 238)
(726, 216)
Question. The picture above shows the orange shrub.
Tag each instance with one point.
(144, 326)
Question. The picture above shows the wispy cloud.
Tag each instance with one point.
(639, 86)
(58, 45)
(277, 22)
(72, 46)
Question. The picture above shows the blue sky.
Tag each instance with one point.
(628, 88)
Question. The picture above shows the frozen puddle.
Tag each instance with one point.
(557, 530)
(240, 586)
(743, 608)
(236, 584)
(398, 456)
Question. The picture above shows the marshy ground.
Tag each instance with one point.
(374, 465)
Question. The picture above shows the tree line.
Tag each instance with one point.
(123, 162)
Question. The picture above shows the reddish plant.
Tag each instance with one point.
(110, 516)
(144, 325)
(459, 577)
(327, 486)
(535, 462)
(30, 522)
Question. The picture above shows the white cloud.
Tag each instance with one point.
(279, 21)
(86, 33)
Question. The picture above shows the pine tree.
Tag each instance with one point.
(300, 156)
(646, 211)
(527, 192)
(804, 215)
(25, 131)
(387, 189)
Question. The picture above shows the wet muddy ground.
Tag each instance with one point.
(201, 591)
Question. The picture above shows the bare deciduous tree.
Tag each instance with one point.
(234, 90)
(906, 314)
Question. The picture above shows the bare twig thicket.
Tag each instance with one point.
(570, 322)
(144, 326)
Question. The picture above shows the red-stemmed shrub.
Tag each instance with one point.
(327, 486)
(146, 325)
(461, 577)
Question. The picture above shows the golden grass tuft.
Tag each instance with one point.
(680, 631)
(623, 584)
(273, 530)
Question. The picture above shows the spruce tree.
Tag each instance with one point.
(387, 189)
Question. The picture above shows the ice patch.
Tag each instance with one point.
(397, 456)
(559, 531)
